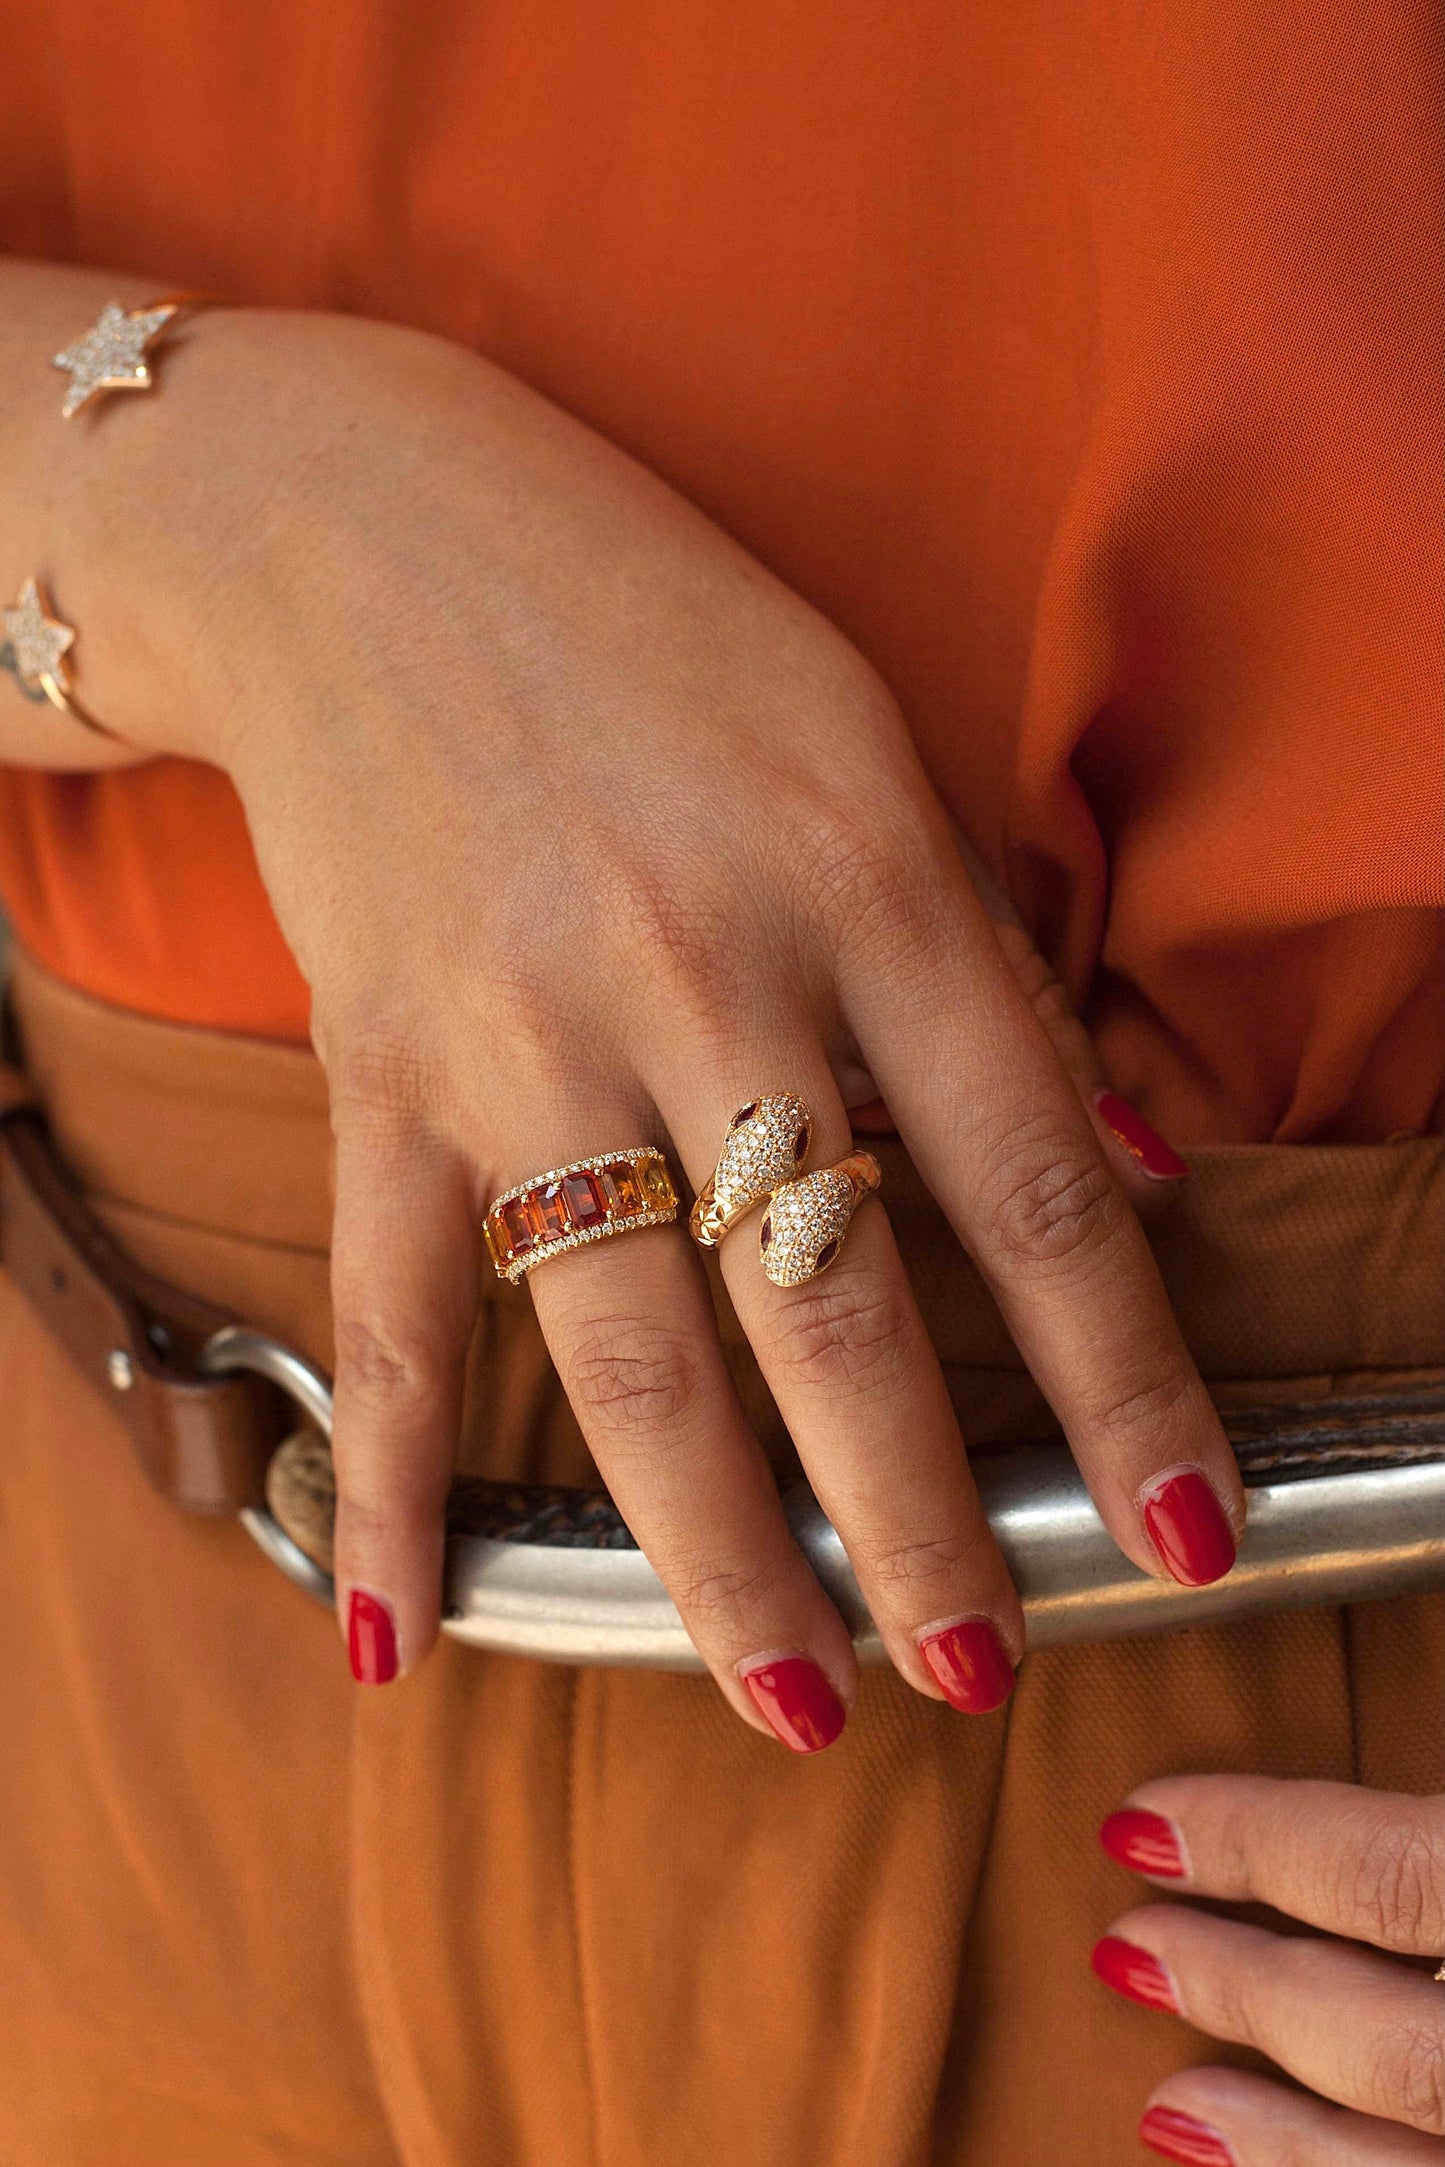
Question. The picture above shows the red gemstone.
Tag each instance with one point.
(825, 1256)
(586, 1205)
(744, 1113)
(767, 1232)
(619, 1184)
(549, 1211)
(518, 1226)
(800, 1146)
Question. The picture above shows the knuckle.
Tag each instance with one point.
(718, 1590)
(1409, 2076)
(1050, 1203)
(388, 1370)
(1394, 1887)
(851, 1338)
(626, 1377)
(871, 882)
(677, 938)
(919, 1562)
(382, 1075)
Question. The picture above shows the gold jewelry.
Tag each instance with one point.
(803, 1228)
(618, 1192)
(766, 1145)
(39, 644)
(110, 356)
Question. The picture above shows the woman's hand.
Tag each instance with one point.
(1363, 2030)
(585, 831)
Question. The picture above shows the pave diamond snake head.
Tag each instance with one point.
(804, 1227)
(767, 1143)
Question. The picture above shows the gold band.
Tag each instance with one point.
(617, 1192)
(804, 1226)
(111, 355)
(39, 645)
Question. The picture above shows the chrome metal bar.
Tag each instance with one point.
(1332, 1538)
(1337, 1538)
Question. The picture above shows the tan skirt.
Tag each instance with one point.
(507, 1915)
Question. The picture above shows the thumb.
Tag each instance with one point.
(1149, 1168)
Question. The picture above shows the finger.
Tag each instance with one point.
(631, 1329)
(1229, 2118)
(404, 1285)
(1149, 1168)
(998, 1133)
(1359, 2028)
(1367, 1864)
(850, 1366)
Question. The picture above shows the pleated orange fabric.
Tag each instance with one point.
(1075, 357)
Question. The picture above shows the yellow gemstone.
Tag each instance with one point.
(656, 1184)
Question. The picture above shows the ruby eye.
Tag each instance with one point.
(767, 1233)
(825, 1256)
(800, 1145)
(745, 1115)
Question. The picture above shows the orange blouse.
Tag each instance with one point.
(1075, 358)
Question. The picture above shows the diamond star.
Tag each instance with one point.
(111, 356)
(39, 643)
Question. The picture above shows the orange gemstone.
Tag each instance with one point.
(549, 1211)
(620, 1187)
(517, 1226)
(586, 1205)
(656, 1186)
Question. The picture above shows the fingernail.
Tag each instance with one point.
(370, 1639)
(1179, 2136)
(1144, 1842)
(969, 1662)
(1133, 1971)
(1143, 1144)
(1187, 1527)
(798, 1702)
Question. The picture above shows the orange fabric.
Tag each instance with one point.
(1075, 358)
(507, 1915)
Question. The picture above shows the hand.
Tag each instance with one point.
(1363, 2030)
(585, 831)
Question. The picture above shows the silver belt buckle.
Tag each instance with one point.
(562, 1587)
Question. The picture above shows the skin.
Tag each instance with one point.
(1348, 2018)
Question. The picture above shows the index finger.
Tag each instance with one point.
(1367, 1864)
(998, 1133)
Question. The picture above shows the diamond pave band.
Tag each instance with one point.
(804, 1226)
(766, 1145)
(616, 1192)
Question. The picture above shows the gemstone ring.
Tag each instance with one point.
(617, 1192)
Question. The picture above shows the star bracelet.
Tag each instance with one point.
(37, 647)
(113, 354)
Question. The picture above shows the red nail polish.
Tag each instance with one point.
(969, 1662)
(798, 1702)
(1133, 1971)
(370, 1639)
(1143, 1144)
(1144, 1842)
(1187, 1527)
(1179, 2136)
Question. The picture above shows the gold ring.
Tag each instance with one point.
(617, 1192)
(803, 1228)
(111, 355)
(39, 644)
(766, 1145)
